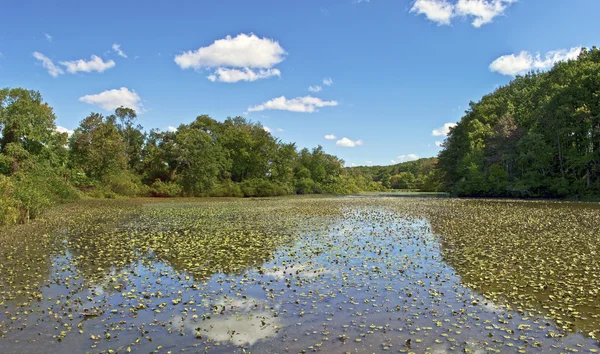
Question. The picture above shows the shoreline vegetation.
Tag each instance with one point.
(537, 137)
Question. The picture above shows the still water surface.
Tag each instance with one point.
(335, 275)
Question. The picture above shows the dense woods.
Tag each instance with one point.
(538, 136)
(110, 156)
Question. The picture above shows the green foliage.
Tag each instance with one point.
(227, 189)
(25, 120)
(165, 189)
(420, 175)
(258, 187)
(9, 206)
(125, 183)
(537, 136)
(97, 147)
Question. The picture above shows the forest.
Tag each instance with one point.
(538, 136)
(112, 156)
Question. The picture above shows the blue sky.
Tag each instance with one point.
(398, 69)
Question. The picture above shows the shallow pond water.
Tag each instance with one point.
(334, 275)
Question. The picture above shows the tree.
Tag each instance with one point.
(25, 120)
(97, 147)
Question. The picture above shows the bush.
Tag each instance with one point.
(263, 188)
(102, 192)
(165, 189)
(33, 196)
(305, 186)
(5, 164)
(9, 207)
(227, 189)
(125, 183)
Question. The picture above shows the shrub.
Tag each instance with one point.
(125, 183)
(304, 186)
(9, 207)
(165, 189)
(262, 188)
(227, 189)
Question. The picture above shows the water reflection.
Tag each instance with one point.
(326, 274)
(239, 322)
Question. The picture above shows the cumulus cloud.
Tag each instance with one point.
(64, 130)
(269, 130)
(442, 12)
(345, 142)
(406, 158)
(439, 143)
(48, 64)
(94, 64)
(525, 61)
(444, 130)
(306, 104)
(330, 137)
(111, 99)
(483, 11)
(245, 52)
(171, 129)
(327, 81)
(246, 74)
(438, 11)
(316, 88)
(369, 162)
(117, 49)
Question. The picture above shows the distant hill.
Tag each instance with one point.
(420, 174)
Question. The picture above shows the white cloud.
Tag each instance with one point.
(94, 64)
(47, 63)
(48, 37)
(444, 130)
(171, 129)
(438, 11)
(439, 143)
(330, 137)
(369, 162)
(345, 142)
(524, 62)
(327, 81)
(240, 51)
(442, 12)
(243, 51)
(269, 130)
(315, 88)
(64, 130)
(112, 99)
(299, 104)
(246, 74)
(484, 11)
(406, 158)
(117, 48)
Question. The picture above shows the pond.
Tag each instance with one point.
(303, 274)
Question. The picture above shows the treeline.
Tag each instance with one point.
(111, 156)
(419, 175)
(538, 136)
